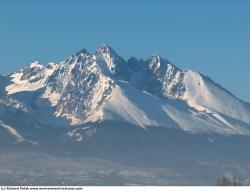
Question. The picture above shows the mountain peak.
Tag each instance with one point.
(105, 50)
(110, 60)
(89, 87)
(82, 52)
(155, 56)
(104, 46)
(159, 65)
(36, 64)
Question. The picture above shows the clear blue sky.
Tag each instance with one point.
(210, 36)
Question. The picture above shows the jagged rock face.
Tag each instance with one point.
(33, 73)
(79, 87)
(83, 82)
(157, 76)
(110, 62)
(89, 87)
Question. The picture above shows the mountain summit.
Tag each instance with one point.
(87, 88)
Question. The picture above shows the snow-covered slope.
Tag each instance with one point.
(31, 78)
(146, 110)
(203, 94)
(88, 88)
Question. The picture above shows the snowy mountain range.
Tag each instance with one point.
(88, 89)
